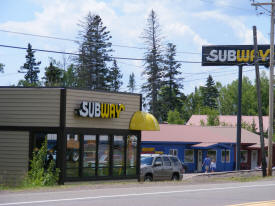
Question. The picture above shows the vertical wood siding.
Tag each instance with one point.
(75, 97)
(14, 156)
(29, 107)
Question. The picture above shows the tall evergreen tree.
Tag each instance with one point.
(94, 49)
(154, 68)
(210, 94)
(31, 68)
(53, 75)
(115, 77)
(132, 82)
(170, 95)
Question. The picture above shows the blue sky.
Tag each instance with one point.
(187, 23)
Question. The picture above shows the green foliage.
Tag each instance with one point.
(53, 75)
(115, 77)
(38, 175)
(174, 117)
(30, 68)
(170, 97)
(25, 83)
(210, 94)
(94, 53)
(153, 71)
(213, 118)
(132, 83)
(70, 77)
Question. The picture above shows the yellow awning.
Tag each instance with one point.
(144, 121)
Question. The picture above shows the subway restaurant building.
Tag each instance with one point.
(91, 135)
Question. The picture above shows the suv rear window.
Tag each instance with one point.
(175, 160)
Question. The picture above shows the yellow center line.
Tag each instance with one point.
(262, 203)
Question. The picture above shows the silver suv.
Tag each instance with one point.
(160, 167)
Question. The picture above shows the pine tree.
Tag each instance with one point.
(31, 68)
(115, 77)
(53, 75)
(170, 94)
(210, 94)
(154, 68)
(94, 49)
(132, 83)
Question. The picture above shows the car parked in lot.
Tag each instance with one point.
(160, 167)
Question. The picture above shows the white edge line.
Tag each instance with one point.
(134, 194)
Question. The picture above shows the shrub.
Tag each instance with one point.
(39, 175)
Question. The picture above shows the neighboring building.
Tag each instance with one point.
(90, 134)
(192, 143)
(229, 120)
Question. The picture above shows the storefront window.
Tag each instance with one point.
(89, 155)
(118, 156)
(131, 160)
(244, 156)
(225, 155)
(212, 154)
(188, 156)
(103, 155)
(72, 155)
(39, 139)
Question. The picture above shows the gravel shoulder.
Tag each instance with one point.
(188, 179)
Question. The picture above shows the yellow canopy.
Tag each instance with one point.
(144, 121)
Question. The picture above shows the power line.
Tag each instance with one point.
(76, 41)
(216, 76)
(76, 54)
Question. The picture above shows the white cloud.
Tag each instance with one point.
(236, 24)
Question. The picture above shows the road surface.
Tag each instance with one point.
(151, 194)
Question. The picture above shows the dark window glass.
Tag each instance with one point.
(118, 156)
(131, 160)
(89, 155)
(158, 161)
(39, 139)
(103, 155)
(166, 161)
(72, 155)
(146, 160)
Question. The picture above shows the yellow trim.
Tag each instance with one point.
(144, 121)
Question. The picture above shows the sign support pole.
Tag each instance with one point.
(239, 119)
(258, 84)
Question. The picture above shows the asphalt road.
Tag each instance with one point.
(152, 194)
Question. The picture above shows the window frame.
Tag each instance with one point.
(193, 156)
(225, 161)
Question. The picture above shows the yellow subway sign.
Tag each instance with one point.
(228, 55)
(100, 110)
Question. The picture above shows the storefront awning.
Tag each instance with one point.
(144, 121)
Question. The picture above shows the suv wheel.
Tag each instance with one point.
(175, 177)
(148, 178)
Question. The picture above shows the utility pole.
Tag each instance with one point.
(271, 80)
(239, 119)
(258, 84)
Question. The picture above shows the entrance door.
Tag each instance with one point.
(199, 162)
(254, 159)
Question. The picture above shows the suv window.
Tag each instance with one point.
(167, 162)
(175, 160)
(158, 159)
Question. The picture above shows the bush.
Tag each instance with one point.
(38, 175)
